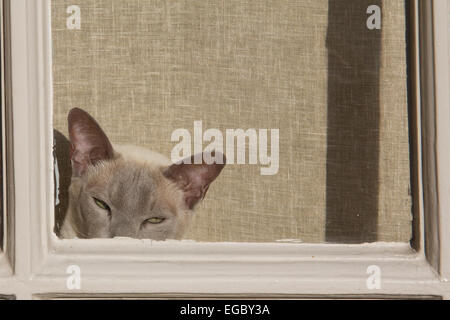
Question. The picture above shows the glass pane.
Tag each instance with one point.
(318, 86)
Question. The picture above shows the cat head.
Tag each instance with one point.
(115, 194)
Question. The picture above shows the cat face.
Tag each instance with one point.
(115, 195)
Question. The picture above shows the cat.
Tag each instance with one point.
(129, 191)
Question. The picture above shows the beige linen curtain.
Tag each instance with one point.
(309, 68)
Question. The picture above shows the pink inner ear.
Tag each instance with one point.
(89, 143)
(194, 179)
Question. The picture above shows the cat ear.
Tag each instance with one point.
(194, 179)
(89, 144)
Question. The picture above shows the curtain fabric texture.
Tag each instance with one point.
(336, 91)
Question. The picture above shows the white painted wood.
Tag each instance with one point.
(418, 130)
(3, 102)
(21, 91)
(5, 266)
(425, 82)
(442, 98)
(171, 267)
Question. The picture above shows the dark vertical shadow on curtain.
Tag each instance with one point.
(61, 152)
(353, 123)
(412, 74)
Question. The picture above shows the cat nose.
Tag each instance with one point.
(126, 229)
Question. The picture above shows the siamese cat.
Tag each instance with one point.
(129, 191)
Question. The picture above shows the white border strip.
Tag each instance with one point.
(131, 266)
(442, 69)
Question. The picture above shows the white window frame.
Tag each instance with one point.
(144, 268)
(6, 251)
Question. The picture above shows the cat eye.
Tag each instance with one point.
(101, 204)
(155, 220)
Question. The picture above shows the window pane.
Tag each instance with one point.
(309, 72)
